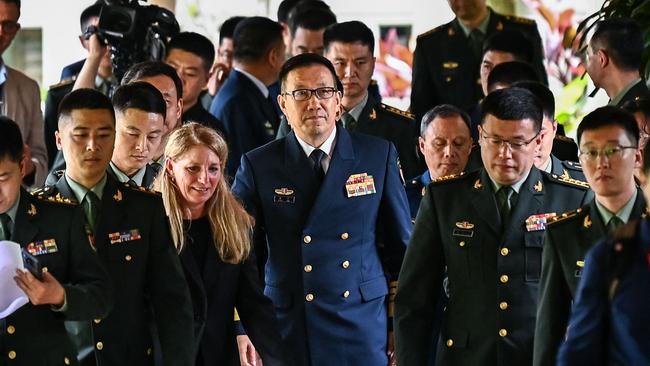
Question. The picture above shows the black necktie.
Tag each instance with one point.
(503, 200)
(5, 224)
(316, 157)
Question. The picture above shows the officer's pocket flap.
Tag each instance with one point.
(281, 299)
(377, 287)
(456, 339)
(534, 242)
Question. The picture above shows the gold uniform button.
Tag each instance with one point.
(11, 329)
(503, 279)
(307, 239)
(99, 346)
(149, 351)
(12, 355)
(345, 264)
(308, 268)
(128, 258)
(44, 269)
(97, 321)
(503, 332)
(309, 297)
(461, 244)
(346, 294)
(450, 342)
(345, 236)
(503, 305)
(66, 361)
(505, 251)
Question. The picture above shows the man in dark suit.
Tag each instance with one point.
(242, 102)
(446, 59)
(613, 58)
(130, 232)
(608, 143)
(74, 285)
(486, 229)
(331, 209)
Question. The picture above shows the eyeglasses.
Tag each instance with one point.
(304, 94)
(9, 26)
(513, 145)
(610, 152)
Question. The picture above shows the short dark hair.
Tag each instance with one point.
(87, 14)
(543, 94)
(609, 116)
(508, 73)
(444, 111)
(513, 104)
(304, 60)
(227, 29)
(311, 15)
(285, 9)
(196, 44)
(511, 41)
(139, 95)
(11, 140)
(84, 99)
(254, 37)
(622, 39)
(349, 32)
(150, 69)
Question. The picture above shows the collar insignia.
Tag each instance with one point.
(32, 210)
(538, 187)
(477, 184)
(118, 196)
(587, 222)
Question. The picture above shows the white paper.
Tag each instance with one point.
(11, 296)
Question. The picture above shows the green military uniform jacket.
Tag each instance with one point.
(52, 229)
(446, 71)
(133, 241)
(493, 274)
(567, 241)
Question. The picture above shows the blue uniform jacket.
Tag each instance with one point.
(604, 331)
(415, 190)
(72, 70)
(329, 255)
(249, 118)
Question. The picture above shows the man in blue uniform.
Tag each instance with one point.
(320, 196)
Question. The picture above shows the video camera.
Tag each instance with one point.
(134, 32)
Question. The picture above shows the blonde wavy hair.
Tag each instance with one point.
(230, 223)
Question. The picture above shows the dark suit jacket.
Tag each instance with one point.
(215, 293)
(249, 118)
(446, 71)
(199, 114)
(326, 269)
(493, 273)
(72, 70)
(610, 317)
(134, 243)
(566, 244)
(87, 286)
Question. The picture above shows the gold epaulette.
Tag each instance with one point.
(430, 31)
(566, 179)
(141, 189)
(64, 82)
(564, 216)
(45, 194)
(394, 110)
(572, 165)
(520, 20)
(447, 177)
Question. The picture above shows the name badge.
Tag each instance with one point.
(360, 185)
(42, 247)
(124, 236)
(538, 222)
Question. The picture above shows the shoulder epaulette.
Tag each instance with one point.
(141, 189)
(564, 216)
(64, 82)
(565, 178)
(447, 178)
(520, 20)
(572, 165)
(431, 31)
(46, 194)
(394, 110)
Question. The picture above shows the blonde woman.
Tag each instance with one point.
(212, 233)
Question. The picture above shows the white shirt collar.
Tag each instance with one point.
(327, 146)
(258, 83)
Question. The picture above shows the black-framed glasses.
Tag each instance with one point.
(304, 94)
(9, 26)
(514, 144)
(610, 152)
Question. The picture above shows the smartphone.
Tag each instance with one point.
(32, 265)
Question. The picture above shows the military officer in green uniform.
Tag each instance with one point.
(446, 59)
(74, 285)
(609, 153)
(130, 232)
(350, 46)
(486, 228)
